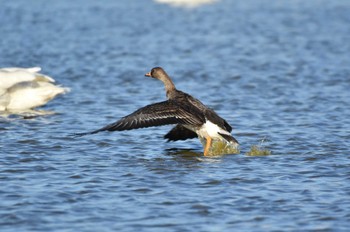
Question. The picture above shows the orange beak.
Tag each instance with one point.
(148, 74)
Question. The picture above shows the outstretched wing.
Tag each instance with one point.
(158, 114)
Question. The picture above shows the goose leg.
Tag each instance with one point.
(207, 146)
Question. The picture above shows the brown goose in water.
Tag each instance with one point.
(192, 117)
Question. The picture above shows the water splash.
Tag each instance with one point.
(259, 150)
(222, 148)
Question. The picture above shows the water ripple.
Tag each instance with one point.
(280, 77)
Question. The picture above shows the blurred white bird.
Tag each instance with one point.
(186, 3)
(26, 88)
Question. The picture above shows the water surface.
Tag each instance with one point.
(276, 71)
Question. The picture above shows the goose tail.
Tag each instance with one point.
(229, 138)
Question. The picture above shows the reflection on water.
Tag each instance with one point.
(183, 153)
(25, 114)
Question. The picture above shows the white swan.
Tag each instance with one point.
(26, 88)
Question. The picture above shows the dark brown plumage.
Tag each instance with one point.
(158, 114)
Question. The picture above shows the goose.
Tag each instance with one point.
(192, 118)
(26, 88)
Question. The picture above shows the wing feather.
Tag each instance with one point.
(158, 114)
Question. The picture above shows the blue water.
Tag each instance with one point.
(277, 71)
